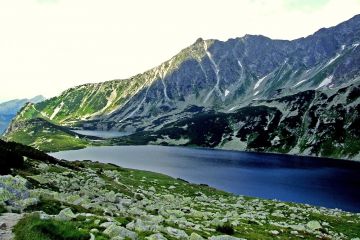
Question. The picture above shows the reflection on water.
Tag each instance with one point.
(102, 134)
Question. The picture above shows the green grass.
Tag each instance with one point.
(2, 209)
(133, 178)
(53, 207)
(48, 206)
(31, 227)
(123, 220)
(50, 140)
(344, 224)
(226, 228)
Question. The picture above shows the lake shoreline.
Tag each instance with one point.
(260, 175)
(346, 160)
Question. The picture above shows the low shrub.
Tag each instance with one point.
(8, 160)
(225, 228)
(2, 209)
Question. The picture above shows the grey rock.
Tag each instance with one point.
(177, 233)
(298, 227)
(2, 225)
(313, 225)
(65, 215)
(118, 238)
(92, 236)
(118, 231)
(107, 224)
(156, 236)
(225, 237)
(143, 226)
(195, 236)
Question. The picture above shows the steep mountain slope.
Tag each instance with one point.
(8, 110)
(225, 78)
(320, 123)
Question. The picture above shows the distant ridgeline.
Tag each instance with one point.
(8, 110)
(250, 93)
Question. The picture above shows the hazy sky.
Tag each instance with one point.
(47, 46)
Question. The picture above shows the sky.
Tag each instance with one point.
(47, 46)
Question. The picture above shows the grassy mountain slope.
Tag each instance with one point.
(46, 136)
(91, 101)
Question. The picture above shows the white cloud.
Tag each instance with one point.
(47, 46)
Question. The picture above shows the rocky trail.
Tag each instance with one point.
(7, 222)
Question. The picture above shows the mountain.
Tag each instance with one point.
(254, 93)
(310, 123)
(8, 110)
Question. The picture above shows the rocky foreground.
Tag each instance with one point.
(87, 200)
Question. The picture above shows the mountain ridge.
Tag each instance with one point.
(9, 109)
(213, 75)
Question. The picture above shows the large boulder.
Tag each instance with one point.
(28, 202)
(110, 196)
(313, 225)
(14, 192)
(298, 227)
(107, 224)
(177, 233)
(143, 226)
(225, 237)
(65, 215)
(195, 236)
(2, 225)
(13, 188)
(156, 236)
(117, 231)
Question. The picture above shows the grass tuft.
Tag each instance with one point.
(225, 228)
(31, 227)
(2, 209)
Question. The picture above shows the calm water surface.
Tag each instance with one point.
(102, 134)
(322, 182)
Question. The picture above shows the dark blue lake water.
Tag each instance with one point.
(316, 181)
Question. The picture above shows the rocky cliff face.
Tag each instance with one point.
(320, 123)
(253, 77)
